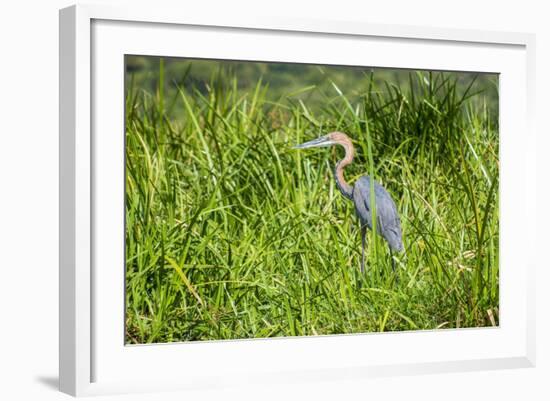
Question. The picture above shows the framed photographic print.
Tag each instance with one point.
(277, 200)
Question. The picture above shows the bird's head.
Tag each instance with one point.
(334, 138)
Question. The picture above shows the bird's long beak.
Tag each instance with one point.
(316, 143)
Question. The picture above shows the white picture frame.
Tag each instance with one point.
(93, 357)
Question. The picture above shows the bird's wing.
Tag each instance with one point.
(388, 218)
(386, 211)
(361, 198)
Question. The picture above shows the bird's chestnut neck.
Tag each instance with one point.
(343, 186)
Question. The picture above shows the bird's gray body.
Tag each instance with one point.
(387, 218)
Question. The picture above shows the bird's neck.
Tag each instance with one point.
(343, 186)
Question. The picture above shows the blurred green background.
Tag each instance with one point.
(290, 82)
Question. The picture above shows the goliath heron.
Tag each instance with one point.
(387, 218)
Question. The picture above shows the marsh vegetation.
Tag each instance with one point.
(232, 234)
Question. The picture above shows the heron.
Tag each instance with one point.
(387, 217)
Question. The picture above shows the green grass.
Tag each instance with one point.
(232, 234)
